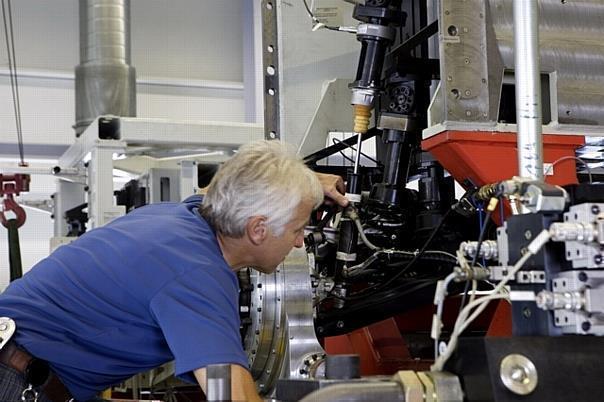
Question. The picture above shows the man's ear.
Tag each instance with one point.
(257, 229)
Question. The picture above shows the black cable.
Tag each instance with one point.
(316, 20)
(309, 11)
(423, 249)
(342, 153)
(372, 289)
(337, 141)
(384, 298)
(12, 67)
(429, 255)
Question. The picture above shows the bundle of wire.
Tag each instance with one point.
(476, 307)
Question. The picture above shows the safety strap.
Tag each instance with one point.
(14, 250)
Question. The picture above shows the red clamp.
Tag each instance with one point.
(11, 185)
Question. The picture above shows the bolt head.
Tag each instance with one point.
(526, 313)
(518, 374)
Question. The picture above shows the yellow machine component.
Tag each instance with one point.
(362, 114)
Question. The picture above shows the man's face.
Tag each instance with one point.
(276, 248)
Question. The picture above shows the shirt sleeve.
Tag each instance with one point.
(198, 315)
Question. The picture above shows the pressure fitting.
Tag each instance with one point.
(582, 232)
(488, 249)
(570, 301)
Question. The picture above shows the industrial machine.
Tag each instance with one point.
(437, 89)
(525, 233)
(488, 94)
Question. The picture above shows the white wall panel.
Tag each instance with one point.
(189, 60)
(200, 39)
(47, 107)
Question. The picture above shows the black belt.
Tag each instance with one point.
(36, 372)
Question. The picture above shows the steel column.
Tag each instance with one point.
(528, 89)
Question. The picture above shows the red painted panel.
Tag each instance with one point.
(486, 157)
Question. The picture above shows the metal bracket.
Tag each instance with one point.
(7, 330)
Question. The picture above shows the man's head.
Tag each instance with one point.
(264, 195)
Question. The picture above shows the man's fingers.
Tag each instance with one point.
(340, 186)
(333, 187)
(338, 197)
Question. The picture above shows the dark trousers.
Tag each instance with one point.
(12, 385)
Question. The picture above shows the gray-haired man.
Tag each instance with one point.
(159, 284)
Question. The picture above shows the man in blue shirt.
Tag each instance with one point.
(160, 283)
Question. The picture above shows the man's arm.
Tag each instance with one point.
(243, 387)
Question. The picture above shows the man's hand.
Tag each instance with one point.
(243, 387)
(333, 188)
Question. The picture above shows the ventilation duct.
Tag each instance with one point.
(105, 80)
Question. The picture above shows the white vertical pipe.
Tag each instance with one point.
(528, 89)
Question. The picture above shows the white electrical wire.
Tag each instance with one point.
(359, 225)
(441, 293)
(439, 299)
(498, 293)
(565, 158)
(462, 324)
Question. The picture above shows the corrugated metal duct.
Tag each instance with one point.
(105, 80)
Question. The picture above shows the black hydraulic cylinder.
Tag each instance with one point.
(371, 62)
(396, 165)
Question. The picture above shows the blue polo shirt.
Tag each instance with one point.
(149, 287)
